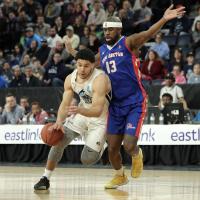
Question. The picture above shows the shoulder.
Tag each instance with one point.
(19, 108)
(101, 78)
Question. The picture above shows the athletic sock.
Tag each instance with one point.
(47, 173)
(120, 172)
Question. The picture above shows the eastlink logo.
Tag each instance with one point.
(25, 134)
(193, 135)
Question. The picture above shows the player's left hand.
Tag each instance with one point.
(72, 110)
(173, 13)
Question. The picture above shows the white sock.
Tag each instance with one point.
(120, 171)
(47, 173)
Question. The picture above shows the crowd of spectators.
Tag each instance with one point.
(22, 113)
(33, 35)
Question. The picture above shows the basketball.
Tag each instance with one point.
(51, 137)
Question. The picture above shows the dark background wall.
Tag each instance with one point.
(50, 97)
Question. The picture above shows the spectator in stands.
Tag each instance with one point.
(18, 77)
(25, 61)
(67, 13)
(20, 5)
(152, 68)
(127, 22)
(37, 113)
(142, 17)
(176, 59)
(32, 50)
(97, 15)
(13, 30)
(58, 23)
(41, 27)
(7, 72)
(3, 30)
(53, 37)
(194, 77)
(12, 113)
(196, 34)
(3, 82)
(2, 57)
(16, 56)
(38, 69)
(22, 19)
(51, 11)
(161, 47)
(59, 48)
(30, 36)
(111, 10)
(30, 80)
(7, 6)
(180, 25)
(71, 37)
(79, 25)
(179, 76)
(197, 18)
(126, 6)
(85, 38)
(173, 89)
(55, 72)
(94, 42)
(24, 103)
(43, 52)
(165, 99)
(31, 6)
(79, 11)
(188, 66)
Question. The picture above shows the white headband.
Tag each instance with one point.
(112, 25)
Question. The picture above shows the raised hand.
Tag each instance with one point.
(171, 13)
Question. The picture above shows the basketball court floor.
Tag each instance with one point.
(88, 184)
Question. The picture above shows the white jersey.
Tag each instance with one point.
(92, 129)
(85, 91)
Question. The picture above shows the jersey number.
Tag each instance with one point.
(111, 66)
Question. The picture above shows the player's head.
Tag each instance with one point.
(112, 30)
(85, 59)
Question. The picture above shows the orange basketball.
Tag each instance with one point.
(49, 136)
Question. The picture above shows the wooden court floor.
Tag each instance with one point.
(87, 184)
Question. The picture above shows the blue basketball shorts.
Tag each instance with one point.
(126, 119)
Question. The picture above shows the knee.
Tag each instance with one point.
(89, 156)
(112, 150)
(129, 147)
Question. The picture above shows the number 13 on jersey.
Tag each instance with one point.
(111, 66)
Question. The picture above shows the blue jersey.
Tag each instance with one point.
(122, 67)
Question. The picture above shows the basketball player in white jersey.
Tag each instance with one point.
(88, 119)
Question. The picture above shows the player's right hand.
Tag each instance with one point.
(58, 126)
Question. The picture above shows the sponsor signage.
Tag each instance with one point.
(183, 134)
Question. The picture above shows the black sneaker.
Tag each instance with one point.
(43, 184)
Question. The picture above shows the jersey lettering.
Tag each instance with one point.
(111, 66)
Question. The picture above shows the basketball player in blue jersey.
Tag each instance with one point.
(118, 58)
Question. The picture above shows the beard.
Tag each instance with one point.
(113, 41)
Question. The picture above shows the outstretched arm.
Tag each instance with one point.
(135, 41)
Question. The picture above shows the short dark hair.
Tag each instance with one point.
(168, 95)
(24, 97)
(86, 54)
(10, 95)
(35, 103)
